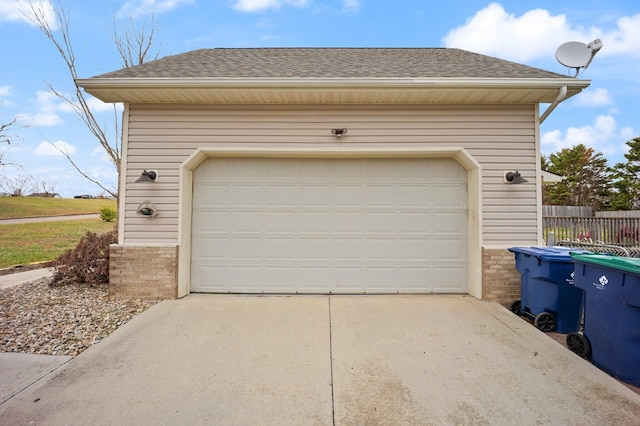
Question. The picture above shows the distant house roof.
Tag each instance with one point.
(45, 195)
(548, 177)
(201, 74)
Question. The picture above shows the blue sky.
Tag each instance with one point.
(604, 116)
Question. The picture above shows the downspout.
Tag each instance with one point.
(561, 95)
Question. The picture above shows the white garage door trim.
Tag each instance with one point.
(459, 154)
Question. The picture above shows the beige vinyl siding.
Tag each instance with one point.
(500, 138)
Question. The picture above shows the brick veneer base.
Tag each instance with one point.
(143, 272)
(151, 272)
(500, 279)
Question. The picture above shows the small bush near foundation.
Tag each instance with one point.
(107, 214)
(87, 263)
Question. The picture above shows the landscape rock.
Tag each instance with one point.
(62, 320)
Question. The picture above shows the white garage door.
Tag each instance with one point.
(293, 225)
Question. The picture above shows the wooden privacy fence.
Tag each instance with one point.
(619, 231)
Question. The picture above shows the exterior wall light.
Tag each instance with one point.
(148, 176)
(147, 209)
(339, 132)
(514, 177)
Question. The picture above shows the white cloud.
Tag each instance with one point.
(351, 5)
(258, 5)
(5, 91)
(494, 31)
(136, 8)
(40, 119)
(625, 40)
(603, 136)
(55, 149)
(14, 11)
(537, 34)
(48, 107)
(593, 98)
(627, 133)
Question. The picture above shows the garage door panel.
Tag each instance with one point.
(314, 278)
(245, 221)
(349, 169)
(449, 197)
(312, 196)
(248, 196)
(212, 248)
(278, 195)
(313, 222)
(245, 249)
(280, 221)
(447, 170)
(382, 249)
(281, 248)
(413, 278)
(329, 225)
(451, 222)
(449, 279)
(418, 222)
(450, 249)
(313, 249)
(381, 196)
(348, 196)
(381, 223)
(415, 196)
(212, 195)
(348, 222)
(281, 168)
(347, 248)
(381, 169)
(416, 249)
(382, 280)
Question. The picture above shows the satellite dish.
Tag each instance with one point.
(575, 54)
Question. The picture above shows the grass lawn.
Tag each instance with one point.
(21, 244)
(18, 207)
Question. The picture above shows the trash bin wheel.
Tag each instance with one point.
(516, 307)
(579, 344)
(545, 321)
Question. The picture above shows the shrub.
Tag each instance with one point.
(107, 214)
(87, 263)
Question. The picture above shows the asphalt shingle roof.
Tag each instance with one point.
(331, 63)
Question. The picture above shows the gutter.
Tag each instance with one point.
(562, 94)
(479, 83)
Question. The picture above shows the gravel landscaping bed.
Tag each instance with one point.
(39, 319)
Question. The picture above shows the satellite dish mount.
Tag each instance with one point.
(577, 55)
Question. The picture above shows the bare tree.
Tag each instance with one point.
(6, 140)
(43, 187)
(16, 186)
(133, 44)
(134, 47)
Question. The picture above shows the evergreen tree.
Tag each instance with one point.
(627, 179)
(587, 178)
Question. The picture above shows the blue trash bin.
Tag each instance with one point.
(547, 293)
(611, 334)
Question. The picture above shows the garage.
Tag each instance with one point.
(329, 225)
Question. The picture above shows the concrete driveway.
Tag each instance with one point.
(306, 360)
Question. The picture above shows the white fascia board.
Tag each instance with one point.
(478, 83)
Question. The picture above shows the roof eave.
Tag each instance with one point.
(122, 89)
(328, 82)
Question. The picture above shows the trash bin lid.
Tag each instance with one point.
(627, 264)
(554, 254)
